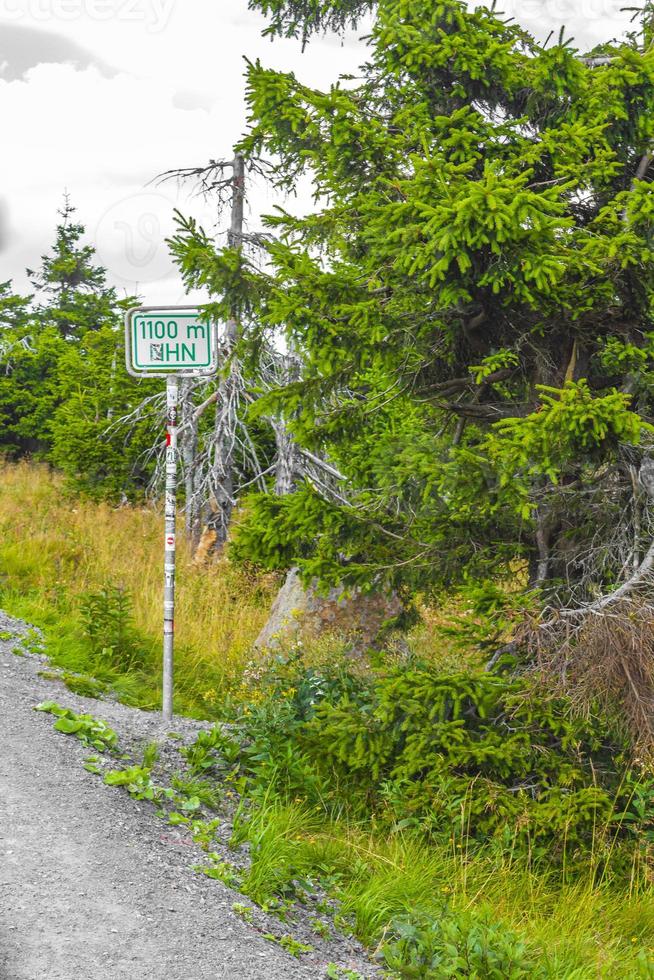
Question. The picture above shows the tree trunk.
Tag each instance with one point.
(190, 463)
(286, 463)
(222, 478)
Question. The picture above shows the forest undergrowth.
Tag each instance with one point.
(65, 559)
(460, 822)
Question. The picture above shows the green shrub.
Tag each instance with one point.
(306, 686)
(458, 945)
(481, 755)
(274, 760)
(473, 755)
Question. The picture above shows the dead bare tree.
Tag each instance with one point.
(221, 501)
(189, 454)
(287, 463)
(222, 460)
(214, 511)
(597, 647)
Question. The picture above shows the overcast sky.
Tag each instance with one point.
(99, 96)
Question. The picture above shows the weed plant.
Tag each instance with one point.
(89, 730)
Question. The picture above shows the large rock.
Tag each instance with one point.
(299, 613)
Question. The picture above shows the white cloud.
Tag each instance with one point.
(175, 99)
(103, 139)
(588, 21)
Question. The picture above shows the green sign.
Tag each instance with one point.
(169, 340)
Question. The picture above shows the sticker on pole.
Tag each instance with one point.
(169, 340)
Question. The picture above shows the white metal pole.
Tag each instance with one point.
(172, 403)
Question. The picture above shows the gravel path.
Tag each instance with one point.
(92, 884)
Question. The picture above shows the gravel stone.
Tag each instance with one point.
(93, 885)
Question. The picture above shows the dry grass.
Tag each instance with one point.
(59, 547)
(605, 657)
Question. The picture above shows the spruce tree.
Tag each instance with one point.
(62, 380)
(472, 300)
(74, 293)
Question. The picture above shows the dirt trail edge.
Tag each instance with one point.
(93, 885)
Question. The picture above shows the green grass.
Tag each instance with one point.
(579, 930)
(278, 836)
(68, 648)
